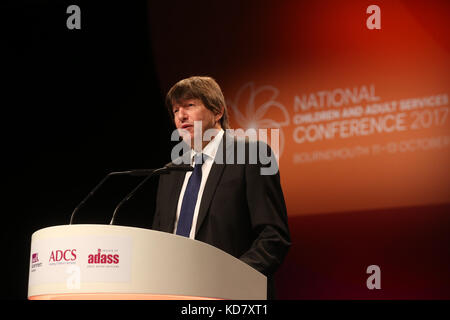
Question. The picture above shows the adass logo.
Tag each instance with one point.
(68, 255)
(103, 258)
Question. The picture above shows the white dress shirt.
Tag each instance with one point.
(210, 153)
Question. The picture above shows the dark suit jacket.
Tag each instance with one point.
(242, 212)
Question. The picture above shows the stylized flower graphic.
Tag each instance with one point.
(254, 116)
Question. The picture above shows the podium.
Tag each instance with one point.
(117, 262)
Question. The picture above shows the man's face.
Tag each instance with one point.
(187, 111)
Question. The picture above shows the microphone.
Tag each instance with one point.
(138, 172)
(166, 169)
(169, 167)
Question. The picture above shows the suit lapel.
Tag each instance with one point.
(214, 178)
(208, 192)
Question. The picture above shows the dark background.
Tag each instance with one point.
(77, 104)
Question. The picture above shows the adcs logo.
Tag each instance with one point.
(62, 256)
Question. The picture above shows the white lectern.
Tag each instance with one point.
(115, 262)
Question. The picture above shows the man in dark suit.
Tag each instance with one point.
(228, 201)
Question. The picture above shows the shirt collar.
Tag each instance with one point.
(211, 148)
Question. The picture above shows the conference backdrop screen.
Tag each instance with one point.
(359, 115)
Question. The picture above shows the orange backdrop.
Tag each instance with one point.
(362, 114)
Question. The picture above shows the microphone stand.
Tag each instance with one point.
(166, 169)
(139, 172)
(90, 194)
(132, 192)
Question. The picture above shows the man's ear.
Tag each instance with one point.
(219, 115)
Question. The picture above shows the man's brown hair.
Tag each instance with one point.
(205, 89)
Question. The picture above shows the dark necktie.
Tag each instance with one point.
(190, 198)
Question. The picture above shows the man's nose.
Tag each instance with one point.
(181, 114)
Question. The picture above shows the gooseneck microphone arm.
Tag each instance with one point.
(166, 169)
(90, 194)
(129, 195)
(139, 172)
